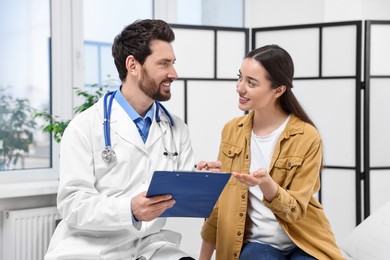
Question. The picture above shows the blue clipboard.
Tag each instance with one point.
(195, 192)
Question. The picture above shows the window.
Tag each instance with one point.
(100, 63)
(24, 83)
(100, 29)
(210, 12)
(38, 69)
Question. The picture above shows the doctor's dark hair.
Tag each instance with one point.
(280, 71)
(135, 40)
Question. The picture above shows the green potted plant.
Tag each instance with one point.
(16, 129)
(55, 126)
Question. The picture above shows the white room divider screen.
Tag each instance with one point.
(327, 82)
(207, 62)
(376, 115)
(348, 107)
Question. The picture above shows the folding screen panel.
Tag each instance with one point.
(327, 83)
(211, 105)
(331, 105)
(207, 62)
(208, 59)
(195, 57)
(231, 49)
(301, 43)
(328, 66)
(377, 115)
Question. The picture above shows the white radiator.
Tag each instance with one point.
(27, 233)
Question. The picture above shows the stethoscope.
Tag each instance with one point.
(108, 153)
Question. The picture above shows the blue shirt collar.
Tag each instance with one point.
(130, 110)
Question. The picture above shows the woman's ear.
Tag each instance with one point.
(280, 90)
(131, 64)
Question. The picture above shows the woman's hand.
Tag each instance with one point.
(257, 177)
(260, 178)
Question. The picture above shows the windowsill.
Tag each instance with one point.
(26, 189)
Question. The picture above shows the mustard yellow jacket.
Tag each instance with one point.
(295, 167)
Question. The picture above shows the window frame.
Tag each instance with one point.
(66, 71)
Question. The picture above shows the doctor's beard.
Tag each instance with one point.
(152, 89)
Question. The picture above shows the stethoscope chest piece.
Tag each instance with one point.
(108, 155)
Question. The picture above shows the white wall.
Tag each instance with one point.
(343, 10)
(283, 12)
(262, 13)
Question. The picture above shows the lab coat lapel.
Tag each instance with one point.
(155, 133)
(122, 125)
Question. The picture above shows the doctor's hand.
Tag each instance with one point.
(209, 166)
(147, 209)
(261, 178)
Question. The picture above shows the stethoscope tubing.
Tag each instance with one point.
(107, 117)
(165, 111)
(108, 153)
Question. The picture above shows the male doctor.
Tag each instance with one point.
(104, 175)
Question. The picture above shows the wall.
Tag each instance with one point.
(285, 12)
(343, 10)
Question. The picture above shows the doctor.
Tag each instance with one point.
(109, 152)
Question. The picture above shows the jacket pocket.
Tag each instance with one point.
(230, 159)
(285, 168)
(115, 174)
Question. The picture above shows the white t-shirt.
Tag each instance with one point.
(263, 226)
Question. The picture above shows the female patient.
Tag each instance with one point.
(267, 210)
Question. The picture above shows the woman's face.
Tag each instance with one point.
(253, 87)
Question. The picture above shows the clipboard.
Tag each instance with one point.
(195, 192)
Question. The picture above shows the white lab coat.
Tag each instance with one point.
(94, 197)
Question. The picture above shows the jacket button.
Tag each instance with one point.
(235, 254)
(241, 214)
(243, 196)
(293, 209)
(238, 233)
(246, 157)
(229, 152)
(289, 164)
